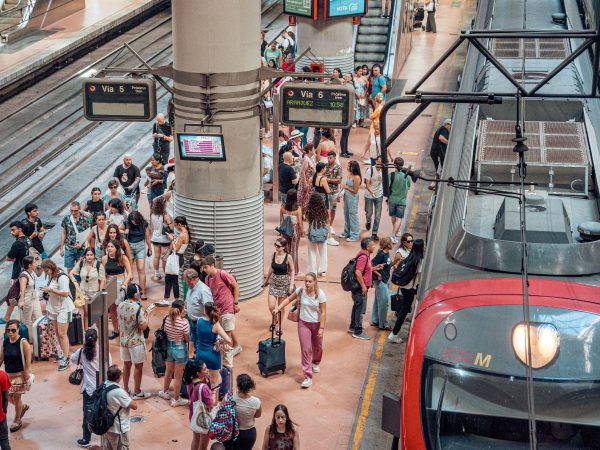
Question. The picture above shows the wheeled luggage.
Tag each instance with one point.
(271, 352)
(75, 330)
(44, 339)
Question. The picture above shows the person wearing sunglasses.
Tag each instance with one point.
(93, 277)
(16, 355)
(406, 244)
(113, 192)
(280, 276)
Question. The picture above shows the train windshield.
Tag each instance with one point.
(465, 409)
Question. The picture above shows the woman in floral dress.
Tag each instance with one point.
(305, 187)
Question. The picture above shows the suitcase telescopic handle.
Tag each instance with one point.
(273, 328)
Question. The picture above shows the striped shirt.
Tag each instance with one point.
(176, 331)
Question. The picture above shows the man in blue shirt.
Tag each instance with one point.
(378, 83)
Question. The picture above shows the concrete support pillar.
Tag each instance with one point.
(214, 72)
(330, 41)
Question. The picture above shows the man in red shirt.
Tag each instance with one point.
(4, 386)
(226, 295)
(288, 65)
(364, 276)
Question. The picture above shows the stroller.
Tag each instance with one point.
(419, 16)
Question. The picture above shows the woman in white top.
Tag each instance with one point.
(160, 221)
(88, 357)
(406, 244)
(98, 234)
(116, 214)
(311, 324)
(59, 307)
(180, 240)
(247, 408)
(92, 275)
(29, 300)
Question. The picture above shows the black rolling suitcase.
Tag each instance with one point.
(271, 352)
(75, 330)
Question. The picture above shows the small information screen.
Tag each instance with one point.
(304, 8)
(127, 100)
(317, 105)
(201, 146)
(345, 8)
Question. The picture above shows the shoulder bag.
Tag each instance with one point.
(172, 264)
(146, 331)
(294, 312)
(201, 418)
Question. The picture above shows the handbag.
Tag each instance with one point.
(146, 331)
(13, 294)
(294, 313)
(76, 377)
(317, 235)
(201, 419)
(396, 301)
(287, 227)
(172, 264)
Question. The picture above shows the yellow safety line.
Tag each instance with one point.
(368, 395)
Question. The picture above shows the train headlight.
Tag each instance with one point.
(545, 341)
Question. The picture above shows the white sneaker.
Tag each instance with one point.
(179, 402)
(394, 338)
(165, 395)
(316, 368)
(352, 239)
(306, 383)
(236, 350)
(141, 395)
(393, 239)
(332, 231)
(163, 302)
(332, 241)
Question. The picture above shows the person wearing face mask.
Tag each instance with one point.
(312, 316)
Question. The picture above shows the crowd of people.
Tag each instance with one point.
(109, 239)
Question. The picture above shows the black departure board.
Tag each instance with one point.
(317, 104)
(117, 99)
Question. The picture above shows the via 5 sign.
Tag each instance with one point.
(345, 8)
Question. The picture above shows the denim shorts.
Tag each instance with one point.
(138, 250)
(177, 352)
(397, 210)
(72, 257)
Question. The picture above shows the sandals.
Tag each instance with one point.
(24, 410)
(16, 426)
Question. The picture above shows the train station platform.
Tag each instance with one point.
(342, 409)
(39, 48)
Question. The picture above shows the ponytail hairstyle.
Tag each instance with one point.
(212, 312)
(89, 344)
(181, 220)
(176, 310)
(191, 370)
(318, 169)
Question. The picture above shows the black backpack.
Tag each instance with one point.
(405, 272)
(159, 350)
(348, 278)
(99, 417)
(72, 287)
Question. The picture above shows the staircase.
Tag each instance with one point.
(372, 39)
(11, 14)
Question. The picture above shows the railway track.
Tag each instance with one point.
(50, 153)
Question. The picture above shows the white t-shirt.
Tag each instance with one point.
(403, 252)
(309, 306)
(118, 398)
(57, 304)
(157, 224)
(245, 408)
(374, 176)
(90, 368)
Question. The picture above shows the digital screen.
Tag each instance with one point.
(125, 109)
(317, 105)
(201, 147)
(119, 99)
(305, 8)
(344, 8)
(308, 115)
